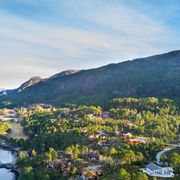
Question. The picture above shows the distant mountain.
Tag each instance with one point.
(33, 81)
(157, 76)
(4, 92)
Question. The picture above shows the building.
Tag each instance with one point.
(93, 136)
(99, 136)
(136, 141)
(84, 130)
(91, 172)
(157, 171)
(9, 115)
(125, 134)
(129, 124)
(92, 116)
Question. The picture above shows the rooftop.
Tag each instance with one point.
(153, 167)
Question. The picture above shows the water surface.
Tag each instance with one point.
(6, 157)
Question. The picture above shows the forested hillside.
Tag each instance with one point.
(157, 76)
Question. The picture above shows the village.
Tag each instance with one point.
(102, 141)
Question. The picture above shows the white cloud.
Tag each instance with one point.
(109, 33)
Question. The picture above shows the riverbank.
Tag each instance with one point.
(4, 144)
(16, 132)
(10, 162)
(8, 167)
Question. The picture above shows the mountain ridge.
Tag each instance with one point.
(157, 75)
(34, 80)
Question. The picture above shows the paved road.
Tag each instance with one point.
(159, 154)
(173, 145)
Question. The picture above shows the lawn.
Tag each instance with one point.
(16, 131)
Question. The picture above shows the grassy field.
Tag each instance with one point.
(16, 131)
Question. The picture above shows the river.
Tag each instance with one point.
(7, 157)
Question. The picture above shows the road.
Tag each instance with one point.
(159, 154)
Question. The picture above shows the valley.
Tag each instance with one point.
(76, 141)
(120, 122)
(90, 90)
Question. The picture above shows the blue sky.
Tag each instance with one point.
(43, 37)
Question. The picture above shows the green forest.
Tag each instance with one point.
(63, 142)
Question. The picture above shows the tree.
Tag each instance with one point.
(22, 155)
(84, 150)
(4, 127)
(76, 151)
(69, 149)
(139, 156)
(28, 169)
(139, 176)
(128, 157)
(38, 109)
(73, 170)
(50, 156)
(124, 175)
(22, 112)
(175, 160)
(34, 153)
(111, 151)
(27, 174)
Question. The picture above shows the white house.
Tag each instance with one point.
(157, 171)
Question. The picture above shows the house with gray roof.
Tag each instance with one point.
(157, 171)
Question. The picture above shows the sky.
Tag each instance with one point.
(44, 37)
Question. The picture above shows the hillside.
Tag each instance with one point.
(34, 80)
(157, 76)
(31, 82)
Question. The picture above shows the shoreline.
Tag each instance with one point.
(7, 147)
